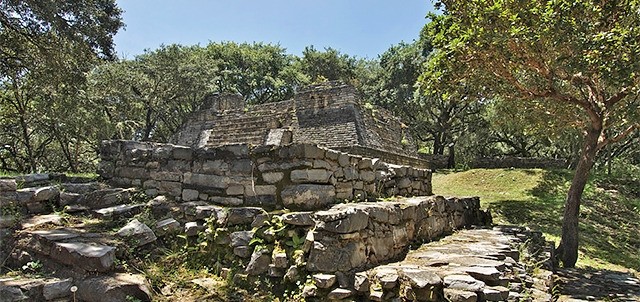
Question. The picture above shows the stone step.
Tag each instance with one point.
(90, 252)
(38, 199)
(470, 265)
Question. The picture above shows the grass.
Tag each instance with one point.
(609, 215)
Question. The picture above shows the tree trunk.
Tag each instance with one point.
(567, 251)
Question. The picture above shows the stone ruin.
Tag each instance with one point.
(328, 115)
(340, 213)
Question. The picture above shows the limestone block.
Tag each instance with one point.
(57, 288)
(240, 238)
(167, 176)
(324, 280)
(272, 177)
(495, 293)
(367, 176)
(323, 164)
(94, 258)
(421, 278)
(218, 167)
(114, 288)
(257, 190)
(456, 295)
(340, 293)
(365, 163)
(206, 180)
(307, 196)
(241, 167)
(170, 187)
(298, 218)
(341, 220)
(242, 216)
(192, 228)
(331, 255)
(132, 172)
(279, 259)
(259, 263)
(310, 176)
(235, 189)
(464, 283)
(226, 201)
(167, 226)
(343, 160)
(387, 277)
(138, 232)
(313, 151)
(361, 282)
(351, 173)
(123, 210)
(190, 194)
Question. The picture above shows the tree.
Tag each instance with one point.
(327, 65)
(46, 47)
(578, 60)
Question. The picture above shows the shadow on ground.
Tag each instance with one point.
(590, 285)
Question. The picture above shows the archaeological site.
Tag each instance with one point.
(321, 197)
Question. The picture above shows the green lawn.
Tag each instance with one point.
(609, 215)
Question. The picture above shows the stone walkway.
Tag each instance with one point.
(471, 265)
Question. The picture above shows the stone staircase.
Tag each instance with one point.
(251, 127)
(77, 234)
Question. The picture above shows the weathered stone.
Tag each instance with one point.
(165, 176)
(226, 201)
(361, 282)
(310, 176)
(114, 288)
(94, 258)
(463, 282)
(272, 177)
(342, 220)
(368, 176)
(241, 238)
(350, 173)
(253, 190)
(123, 210)
(170, 187)
(421, 278)
(340, 293)
(245, 215)
(324, 280)
(496, 293)
(309, 290)
(298, 218)
(55, 289)
(259, 263)
(167, 226)
(138, 232)
(235, 189)
(192, 228)
(330, 256)
(388, 278)
(456, 295)
(488, 274)
(206, 180)
(343, 160)
(292, 274)
(307, 196)
(243, 251)
(218, 167)
(190, 194)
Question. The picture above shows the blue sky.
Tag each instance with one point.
(364, 28)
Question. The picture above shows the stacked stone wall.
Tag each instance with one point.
(297, 176)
